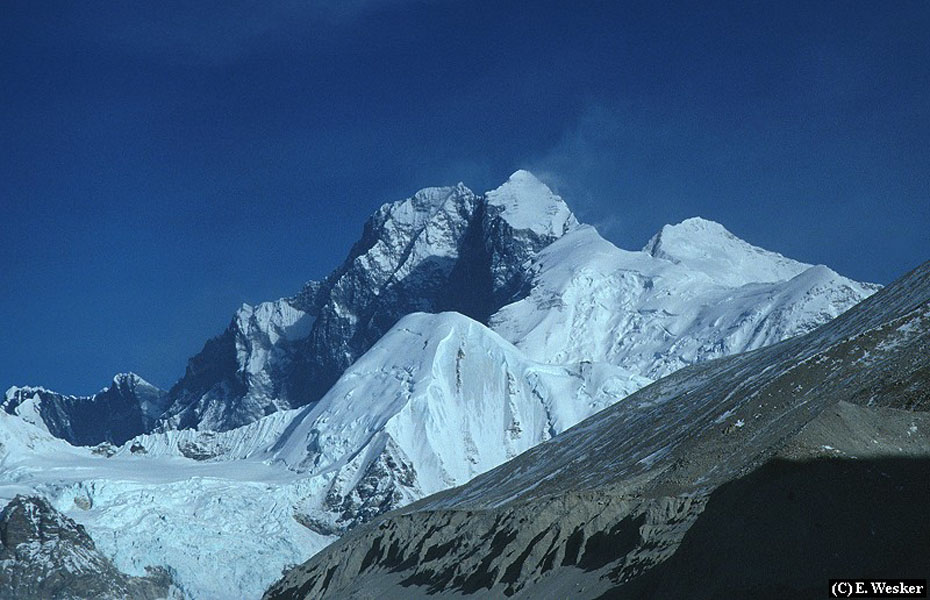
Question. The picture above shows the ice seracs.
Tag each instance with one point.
(44, 554)
(222, 529)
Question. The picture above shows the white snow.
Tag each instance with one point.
(529, 204)
(454, 397)
(262, 328)
(227, 529)
(593, 301)
(707, 247)
(28, 410)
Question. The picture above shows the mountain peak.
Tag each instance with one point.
(418, 210)
(431, 198)
(524, 175)
(690, 229)
(526, 203)
(13, 390)
(130, 383)
(128, 377)
(702, 224)
(708, 247)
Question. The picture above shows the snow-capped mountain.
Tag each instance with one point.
(694, 293)
(442, 249)
(124, 409)
(437, 400)
(462, 330)
(515, 259)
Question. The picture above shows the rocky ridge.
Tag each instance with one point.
(44, 555)
(126, 408)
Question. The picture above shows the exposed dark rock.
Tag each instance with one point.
(125, 409)
(45, 555)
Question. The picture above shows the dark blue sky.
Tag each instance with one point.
(163, 162)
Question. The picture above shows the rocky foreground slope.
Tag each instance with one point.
(44, 555)
(773, 470)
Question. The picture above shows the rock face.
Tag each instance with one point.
(128, 407)
(243, 374)
(739, 454)
(47, 556)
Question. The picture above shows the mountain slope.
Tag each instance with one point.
(601, 505)
(590, 300)
(241, 375)
(438, 400)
